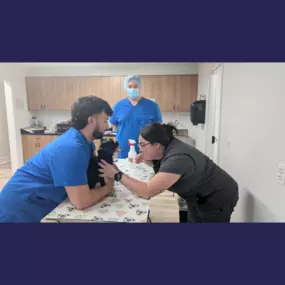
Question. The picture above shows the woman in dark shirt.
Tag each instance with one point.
(211, 194)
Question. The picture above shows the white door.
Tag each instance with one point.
(214, 117)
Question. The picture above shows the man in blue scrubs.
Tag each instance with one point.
(131, 114)
(59, 169)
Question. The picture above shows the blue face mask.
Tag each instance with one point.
(133, 93)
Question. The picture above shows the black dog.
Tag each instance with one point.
(105, 152)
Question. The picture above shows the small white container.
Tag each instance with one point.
(132, 153)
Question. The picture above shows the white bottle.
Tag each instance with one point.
(132, 153)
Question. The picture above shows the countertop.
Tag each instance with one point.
(121, 206)
(28, 131)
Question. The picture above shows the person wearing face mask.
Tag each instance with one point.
(211, 194)
(59, 170)
(131, 114)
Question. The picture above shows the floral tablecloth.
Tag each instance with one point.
(120, 206)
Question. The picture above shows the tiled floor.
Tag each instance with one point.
(163, 208)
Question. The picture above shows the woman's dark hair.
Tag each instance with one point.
(85, 107)
(158, 133)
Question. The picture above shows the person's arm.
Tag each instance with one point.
(158, 184)
(82, 197)
(69, 170)
(169, 173)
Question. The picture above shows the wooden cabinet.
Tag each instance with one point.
(177, 92)
(167, 93)
(34, 143)
(149, 88)
(186, 92)
(35, 93)
(173, 93)
(59, 93)
(110, 89)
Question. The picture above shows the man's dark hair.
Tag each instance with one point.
(85, 107)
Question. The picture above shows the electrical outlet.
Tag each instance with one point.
(281, 173)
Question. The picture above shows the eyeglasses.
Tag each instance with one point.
(141, 145)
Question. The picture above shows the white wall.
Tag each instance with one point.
(4, 137)
(204, 70)
(18, 117)
(109, 69)
(17, 112)
(252, 136)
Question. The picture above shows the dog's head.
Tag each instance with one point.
(108, 146)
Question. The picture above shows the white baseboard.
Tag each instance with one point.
(5, 158)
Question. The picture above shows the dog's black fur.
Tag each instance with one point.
(105, 152)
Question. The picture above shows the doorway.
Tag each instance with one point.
(5, 155)
(215, 109)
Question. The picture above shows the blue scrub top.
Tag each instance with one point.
(130, 119)
(38, 186)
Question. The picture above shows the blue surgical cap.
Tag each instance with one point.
(131, 78)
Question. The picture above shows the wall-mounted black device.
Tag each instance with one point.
(198, 112)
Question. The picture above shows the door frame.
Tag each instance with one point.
(212, 114)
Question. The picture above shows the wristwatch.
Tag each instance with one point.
(118, 176)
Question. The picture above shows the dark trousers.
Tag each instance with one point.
(183, 216)
(220, 215)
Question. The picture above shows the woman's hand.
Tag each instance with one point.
(107, 170)
(139, 158)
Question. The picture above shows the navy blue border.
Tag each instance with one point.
(150, 253)
(154, 31)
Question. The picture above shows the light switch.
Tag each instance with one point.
(281, 173)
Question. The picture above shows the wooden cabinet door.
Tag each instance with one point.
(111, 89)
(124, 93)
(91, 86)
(54, 90)
(46, 139)
(186, 92)
(35, 94)
(167, 93)
(149, 88)
(32, 144)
